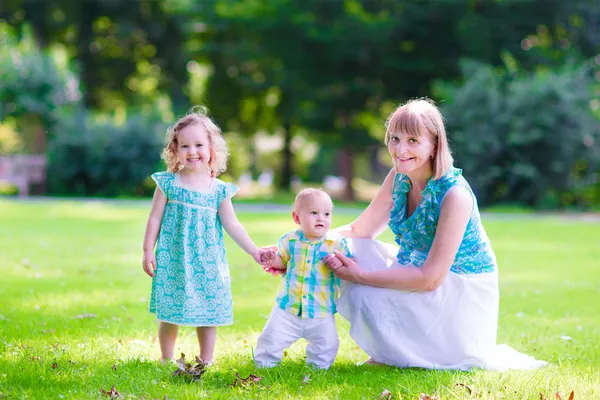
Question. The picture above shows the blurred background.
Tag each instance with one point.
(301, 89)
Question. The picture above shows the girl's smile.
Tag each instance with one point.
(193, 148)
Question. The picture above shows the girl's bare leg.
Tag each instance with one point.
(167, 334)
(207, 336)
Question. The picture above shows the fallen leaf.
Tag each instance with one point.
(424, 396)
(189, 371)
(54, 365)
(112, 393)
(245, 382)
(83, 316)
(542, 397)
(572, 395)
(385, 395)
(114, 367)
(306, 379)
(466, 387)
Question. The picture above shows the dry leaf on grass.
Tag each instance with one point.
(559, 395)
(245, 382)
(188, 370)
(424, 396)
(385, 395)
(466, 387)
(112, 393)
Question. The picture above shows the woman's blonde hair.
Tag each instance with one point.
(218, 147)
(417, 117)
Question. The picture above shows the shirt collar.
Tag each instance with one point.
(300, 236)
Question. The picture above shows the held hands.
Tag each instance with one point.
(343, 267)
(261, 256)
(149, 263)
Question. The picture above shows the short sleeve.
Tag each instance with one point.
(283, 248)
(226, 191)
(344, 248)
(164, 181)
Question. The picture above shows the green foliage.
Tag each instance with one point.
(104, 158)
(529, 138)
(31, 81)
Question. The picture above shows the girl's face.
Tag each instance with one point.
(193, 148)
(411, 154)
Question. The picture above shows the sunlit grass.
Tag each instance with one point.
(74, 320)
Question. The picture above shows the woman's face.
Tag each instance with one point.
(411, 154)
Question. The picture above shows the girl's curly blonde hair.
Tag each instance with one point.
(218, 147)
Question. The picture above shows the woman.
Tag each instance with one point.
(432, 302)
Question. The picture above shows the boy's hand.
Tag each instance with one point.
(273, 271)
(149, 263)
(333, 262)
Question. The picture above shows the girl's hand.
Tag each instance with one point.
(268, 257)
(348, 271)
(262, 256)
(149, 263)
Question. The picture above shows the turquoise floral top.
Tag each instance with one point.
(415, 234)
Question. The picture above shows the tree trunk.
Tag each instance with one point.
(33, 133)
(287, 158)
(347, 172)
(86, 52)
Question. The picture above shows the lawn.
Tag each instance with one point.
(74, 320)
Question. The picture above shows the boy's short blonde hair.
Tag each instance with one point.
(418, 117)
(218, 147)
(306, 194)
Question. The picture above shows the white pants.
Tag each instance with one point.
(284, 328)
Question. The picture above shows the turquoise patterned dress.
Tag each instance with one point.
(415, 234)
(451, 327)
(191, 284)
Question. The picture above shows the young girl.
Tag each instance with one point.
(190, 275)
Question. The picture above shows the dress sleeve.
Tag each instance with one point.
(283, 248)
(227, 190)
(164, 181)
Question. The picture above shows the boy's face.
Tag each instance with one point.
(314, 216)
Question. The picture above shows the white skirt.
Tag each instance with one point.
(453, 327)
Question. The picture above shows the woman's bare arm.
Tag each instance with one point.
(371, 222)
(454, 217)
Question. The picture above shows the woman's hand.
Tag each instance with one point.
(348, 270)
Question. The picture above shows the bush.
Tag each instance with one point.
(527, 138)
(88, 157)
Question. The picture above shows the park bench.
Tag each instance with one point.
(23, 170)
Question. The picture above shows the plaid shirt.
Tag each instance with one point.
(308, 288)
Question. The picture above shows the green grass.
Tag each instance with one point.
(62, 259)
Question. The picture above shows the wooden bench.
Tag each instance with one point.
(23, 170)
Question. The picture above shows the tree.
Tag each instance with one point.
(125, 50)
